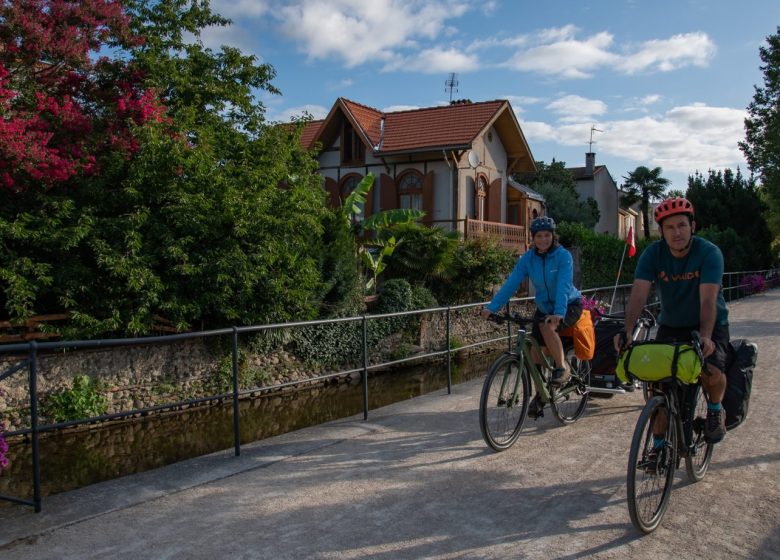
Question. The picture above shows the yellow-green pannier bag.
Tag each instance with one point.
(656, 361)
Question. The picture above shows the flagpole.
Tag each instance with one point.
(617, 280)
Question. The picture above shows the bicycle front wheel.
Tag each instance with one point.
(504, 402)
(699, 455)
(651, 472)
(568, 403)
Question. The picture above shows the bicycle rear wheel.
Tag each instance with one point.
(568, 403)
(699, 455)
(650, 485)
(503, 404)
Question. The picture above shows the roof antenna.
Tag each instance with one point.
(591, 142)
(452, 84)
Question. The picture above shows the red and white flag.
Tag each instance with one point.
(630, 242)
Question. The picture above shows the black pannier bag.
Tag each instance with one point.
(604, 360)
(739, 381)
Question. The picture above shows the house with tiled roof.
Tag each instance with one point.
(596, 182)
(454, 162)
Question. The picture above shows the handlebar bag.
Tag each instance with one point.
(583, 335)
(658, 361)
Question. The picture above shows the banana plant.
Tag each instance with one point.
(381, 223)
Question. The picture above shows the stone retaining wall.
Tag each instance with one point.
(144, 376)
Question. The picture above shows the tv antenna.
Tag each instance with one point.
(452, 84)
(591, 141)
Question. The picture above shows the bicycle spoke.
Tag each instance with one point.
(651, 471)
(504, 403)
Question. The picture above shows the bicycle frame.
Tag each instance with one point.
(524, 349)
(680, 402)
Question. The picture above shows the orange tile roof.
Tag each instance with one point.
(310, 132)
(447, 126)
(437, 127)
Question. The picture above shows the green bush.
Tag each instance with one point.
(478, 265)
(82, 400)
(600, 255)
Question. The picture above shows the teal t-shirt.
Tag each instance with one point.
(678, 280)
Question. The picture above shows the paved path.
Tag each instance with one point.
(416, 481)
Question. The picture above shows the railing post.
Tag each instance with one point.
(365, 368)
(449, 354)
(36, 457)
(236, 420)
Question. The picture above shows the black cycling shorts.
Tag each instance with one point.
(720, 336)
(573, 312)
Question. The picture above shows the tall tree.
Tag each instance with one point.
(562, 201)
(193, 208)
(727, 201)
(762, 129)
(643, 184)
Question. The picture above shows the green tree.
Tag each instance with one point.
(212, 218)
(727, 201)
(762, 130)
(562, 201)
(643, 184)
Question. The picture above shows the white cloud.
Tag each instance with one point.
(567, 57)
(359, 31)
(558, 52)
(341, 84)
(434, 61)
(235, 9)
(574, 108)
(684, 139)
(649, 99)
(395, 108)
(316, 112)
(520, 100)
(670, 54)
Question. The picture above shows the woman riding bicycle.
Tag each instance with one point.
(549, 266)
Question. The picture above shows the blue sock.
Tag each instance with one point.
(658, 441)
(713, 406)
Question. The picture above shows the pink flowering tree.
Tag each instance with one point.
(138, 177)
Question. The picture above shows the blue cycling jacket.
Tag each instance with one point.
(552, 275)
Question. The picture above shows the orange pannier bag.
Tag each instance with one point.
(584, 336)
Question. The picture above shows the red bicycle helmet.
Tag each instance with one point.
(672, 207)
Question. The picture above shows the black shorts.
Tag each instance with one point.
(573, 312)
(720, 336)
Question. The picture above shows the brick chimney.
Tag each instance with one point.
(590, 163)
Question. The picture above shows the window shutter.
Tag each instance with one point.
(332, 187)
(427, 198)
(387, 196)
(494, 202)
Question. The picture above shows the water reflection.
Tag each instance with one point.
(78, 457)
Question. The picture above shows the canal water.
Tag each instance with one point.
(76, 457)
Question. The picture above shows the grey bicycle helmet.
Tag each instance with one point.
(542, 223)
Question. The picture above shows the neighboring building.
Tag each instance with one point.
(453, 162)
(595, 181)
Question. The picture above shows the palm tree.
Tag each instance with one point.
(643, 184)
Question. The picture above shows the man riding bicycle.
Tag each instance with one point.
(550, 268)
(687, 271)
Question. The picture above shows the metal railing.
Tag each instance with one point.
(29, 356)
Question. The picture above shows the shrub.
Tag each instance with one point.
(753, 283)
(82, 400)
(478, 265)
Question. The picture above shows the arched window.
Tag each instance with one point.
(410, 190)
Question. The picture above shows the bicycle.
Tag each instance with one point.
(504, 402)
(683, 407)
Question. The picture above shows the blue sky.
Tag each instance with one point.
(665, 81)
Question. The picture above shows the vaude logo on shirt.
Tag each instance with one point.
(677, 277)
(645, 359)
